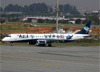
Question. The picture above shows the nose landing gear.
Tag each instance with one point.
(11, 43)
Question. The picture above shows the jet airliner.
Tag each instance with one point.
(43, 39)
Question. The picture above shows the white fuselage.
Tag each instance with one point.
(47, 37)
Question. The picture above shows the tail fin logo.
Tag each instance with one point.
(86, 29)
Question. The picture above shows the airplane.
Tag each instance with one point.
(43, 39)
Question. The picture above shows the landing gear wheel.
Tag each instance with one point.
(49, 45)
(11, 43)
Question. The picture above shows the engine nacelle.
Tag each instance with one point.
(41, 42)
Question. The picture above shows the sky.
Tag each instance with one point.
(80, 4)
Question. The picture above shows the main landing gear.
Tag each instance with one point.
(49, 44)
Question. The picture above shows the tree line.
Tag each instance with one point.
(40, 8)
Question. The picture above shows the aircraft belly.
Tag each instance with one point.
(25, 40)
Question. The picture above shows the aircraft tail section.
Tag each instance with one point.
(85, 29)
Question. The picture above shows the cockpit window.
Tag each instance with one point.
(8, 36)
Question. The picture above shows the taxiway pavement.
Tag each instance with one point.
(31, 58)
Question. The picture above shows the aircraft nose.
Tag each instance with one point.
(3, 39)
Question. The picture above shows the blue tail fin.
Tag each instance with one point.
(85, 29)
